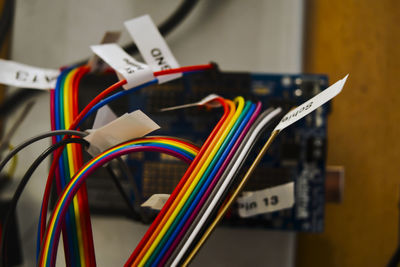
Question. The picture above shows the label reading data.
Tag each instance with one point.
(21, 75)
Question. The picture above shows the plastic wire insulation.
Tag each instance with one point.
(232, 198)
(123, 194)
(69, 228)
(67, 251)
(21, 186)
(176, 18)
(90, 109)
(36, 138)
(180, 185)
(189, 185)
(201, 188)
(54, 241)
(69, 159)
(232, 172)
(76, 220)
(244, 128)
(54, 228)
(64, 98)
(245, 138)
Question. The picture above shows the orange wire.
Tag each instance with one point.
(192, 176)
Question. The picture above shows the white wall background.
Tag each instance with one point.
(256, 35)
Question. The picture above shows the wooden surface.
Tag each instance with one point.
(361, 38)
(3, 54)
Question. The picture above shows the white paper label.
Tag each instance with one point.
(134, 72)
(152, 46)
(103, 116)
(156, 201)
(208, 101)
(21, 75)
(267, 200)
(129, 126)
(311, 105)
(95, 63)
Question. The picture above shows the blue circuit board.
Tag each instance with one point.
(297, 155)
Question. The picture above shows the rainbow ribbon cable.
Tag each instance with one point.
(184, 182)
(210, 148)
(78, 240)
(174, 147)
(162, 237)
(77, 232)
(169, 227)
(197, 184)
(212, 175)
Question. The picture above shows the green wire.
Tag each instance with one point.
(199, 184)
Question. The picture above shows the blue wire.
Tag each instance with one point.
(90, 112)
(60, 78)
(70, 224)
(170, 147)
(123, 93)
(203, 189)
(113, 97)
(65, 175)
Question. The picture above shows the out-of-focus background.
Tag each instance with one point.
(359, 37)
(330, 37)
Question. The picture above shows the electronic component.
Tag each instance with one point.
(297, 155)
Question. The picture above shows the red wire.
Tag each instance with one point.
(96, 100)
(85, 221)
(184, 69)
(178, 188)
(67, 252)
(58, 153)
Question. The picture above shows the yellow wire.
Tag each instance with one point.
(72, 168)
(203, 167)
(14, 162)
(52, 222)
(232, 198)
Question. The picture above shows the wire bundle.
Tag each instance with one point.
(174, 147)
(201, 181)
(201, 177)
(200, 192)
(78, 240)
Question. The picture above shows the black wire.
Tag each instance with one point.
(21, 187)
(16, 99)
(128, 175)
(37, 138)
(6, 20)
(395, 260)
(121, 190)
(171, 22)
(165, 28)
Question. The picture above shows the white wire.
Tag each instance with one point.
(222, 189)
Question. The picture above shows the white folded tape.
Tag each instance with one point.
(152, 46)
(134, 72)
(208, 101)
(311, 105)
(129, 126)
